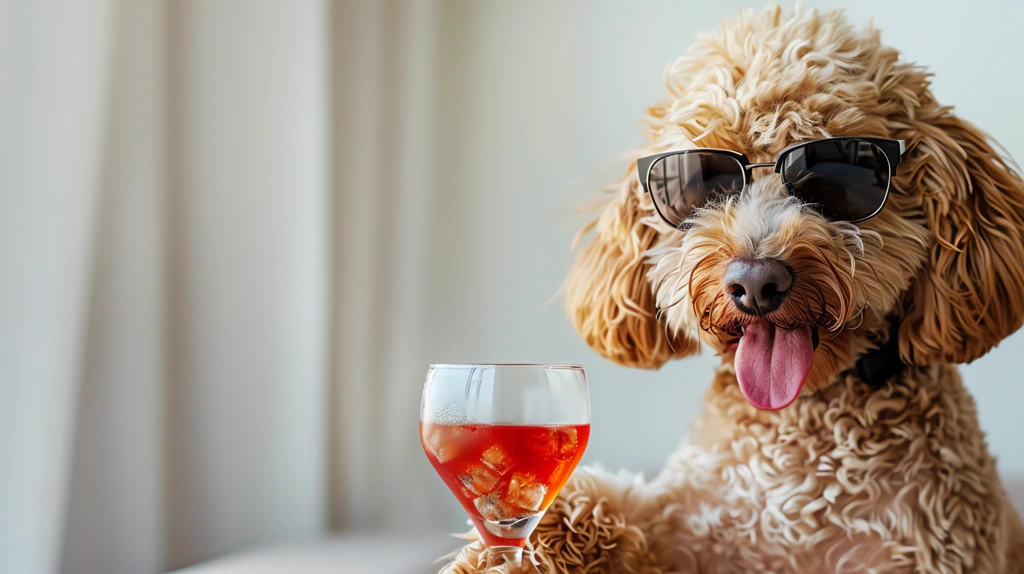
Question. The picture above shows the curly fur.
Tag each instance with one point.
(848, 478)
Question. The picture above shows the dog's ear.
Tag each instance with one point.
(607, 292)
(970, 294)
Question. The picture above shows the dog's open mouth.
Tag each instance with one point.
(772, 363)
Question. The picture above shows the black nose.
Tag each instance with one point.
(758, 286)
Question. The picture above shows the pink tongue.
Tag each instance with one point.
(771, 364)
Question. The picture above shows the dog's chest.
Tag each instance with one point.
(857, 477)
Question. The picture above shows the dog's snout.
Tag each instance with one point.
(758, 286)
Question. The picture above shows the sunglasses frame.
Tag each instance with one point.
(892, 149)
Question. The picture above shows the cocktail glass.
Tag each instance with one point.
(505, 438)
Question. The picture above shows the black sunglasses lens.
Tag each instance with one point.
(679, 183)
(845, 180)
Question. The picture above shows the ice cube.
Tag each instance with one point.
(566, 442)
(448, 442)
(479, 480)
(435, 445)
(493, 508)
(497, 460)
(435, 441)
(526, 492)
(560, 443)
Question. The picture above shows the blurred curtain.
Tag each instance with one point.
(210, 272)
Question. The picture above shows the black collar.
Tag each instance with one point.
(877, 366)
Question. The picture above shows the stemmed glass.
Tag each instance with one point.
(505, 438)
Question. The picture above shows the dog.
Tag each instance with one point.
(837, 435)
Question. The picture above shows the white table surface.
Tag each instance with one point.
(342, 554)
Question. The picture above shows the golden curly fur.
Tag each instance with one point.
(847, 478)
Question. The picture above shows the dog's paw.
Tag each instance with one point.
(586, 529)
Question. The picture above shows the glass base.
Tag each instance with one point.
(516, 528)
(498, 555)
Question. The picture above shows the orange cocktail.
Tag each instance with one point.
(505, 476)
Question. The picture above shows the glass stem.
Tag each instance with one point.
(498, 555)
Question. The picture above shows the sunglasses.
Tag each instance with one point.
(843, 179)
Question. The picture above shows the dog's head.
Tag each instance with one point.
(943, 260)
